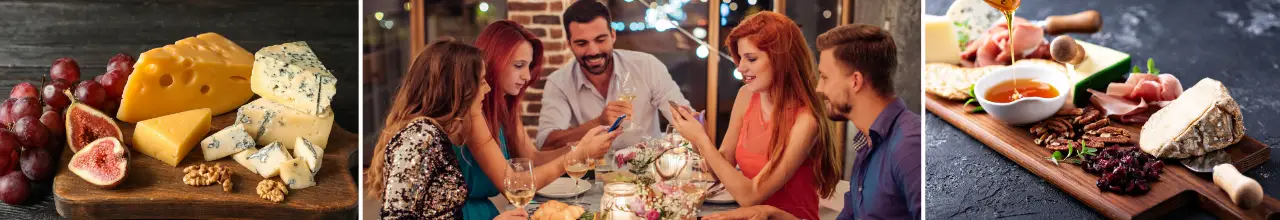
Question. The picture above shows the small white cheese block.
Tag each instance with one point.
(228, 141)
(296, 174)
(293, 76)
(940, 41)
(267, 160)
(268, 121)
(243, 159)
(308, 152)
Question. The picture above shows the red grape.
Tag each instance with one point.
(25, 107)
(91, 93)
(31, 133)
(98, 78)
(8, 143)
(121, 62)
(53, 96)
(14, 188)
(114, 82)
(53, 121)
(65, 69)
(23, 90)
(35, 164)
(5, 120)
(110, 106)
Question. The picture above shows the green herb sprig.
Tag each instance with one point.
(1151, 67)
(973, 98)
(1073, 155)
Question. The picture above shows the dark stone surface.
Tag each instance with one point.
(34, 33)
(1230, 41)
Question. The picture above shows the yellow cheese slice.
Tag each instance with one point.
(205, 71)
(169, 138)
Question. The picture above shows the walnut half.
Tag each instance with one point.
(204, 175)
(272, 190)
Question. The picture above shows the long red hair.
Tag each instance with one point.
(499, 41)
(794, 81)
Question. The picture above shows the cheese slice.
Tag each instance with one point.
(266, 161)
(205, 71)
(305, 150)
(169, 138)
(296, 174)
(940, 41)
(228, 141)
(268, 121)
(243, 159)
(1204, 119)
(292, 75)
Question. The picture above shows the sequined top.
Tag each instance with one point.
(423, 179)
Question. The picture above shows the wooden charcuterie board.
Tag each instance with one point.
(1178, 187)
(152, 189)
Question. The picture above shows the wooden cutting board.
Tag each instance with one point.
(152, 189)
(1178, 187)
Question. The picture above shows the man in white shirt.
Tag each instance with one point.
(585, 93)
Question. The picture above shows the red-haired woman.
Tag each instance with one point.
(513, 59)
(777, 133)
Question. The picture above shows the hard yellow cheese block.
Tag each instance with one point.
(169, 138)
(205, 71)
(940, 41)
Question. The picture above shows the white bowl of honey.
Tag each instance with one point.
(1022, 94)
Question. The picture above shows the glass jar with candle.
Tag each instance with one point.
(617, 200)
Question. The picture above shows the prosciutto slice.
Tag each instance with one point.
(991, 47)
(1138, 97)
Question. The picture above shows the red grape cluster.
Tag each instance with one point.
(1124, 169)
(31, 123)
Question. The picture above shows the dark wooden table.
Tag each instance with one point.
(34, 33)
(1231, 41)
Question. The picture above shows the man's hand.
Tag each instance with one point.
(758, 212)
(613, 110)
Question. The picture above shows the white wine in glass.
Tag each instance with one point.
(576, 164)
(627, 93)
(519, 187)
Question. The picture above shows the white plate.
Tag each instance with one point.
(721, 198)
(564, 188)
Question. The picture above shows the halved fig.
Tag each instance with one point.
(102, 162)
(86, 124)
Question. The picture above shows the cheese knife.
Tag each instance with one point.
(1244, 191)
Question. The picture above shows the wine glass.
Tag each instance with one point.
(519, 188)
(577, 163)
(627, 93)
(671, 163)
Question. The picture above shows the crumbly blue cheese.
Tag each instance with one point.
(292, 75)
(296, 175)
(267, 160)
(268, 121)
(308, 152)
(243, 159)
(228, 141)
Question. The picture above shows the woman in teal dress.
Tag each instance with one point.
(513, 56)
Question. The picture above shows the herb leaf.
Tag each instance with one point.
(1055, 157)
(1136, 69)
(1151, 66)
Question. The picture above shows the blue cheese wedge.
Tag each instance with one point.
(296, 174)
(293, 76)
(268, 121)
(309, 153)
(266, 161)
(228, 141)
(243, 159)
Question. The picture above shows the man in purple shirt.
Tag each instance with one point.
(856, 64)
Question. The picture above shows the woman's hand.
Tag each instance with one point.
(597, 141)
(689, 127)
(514, 214)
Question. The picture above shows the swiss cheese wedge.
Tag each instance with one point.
(205, 71)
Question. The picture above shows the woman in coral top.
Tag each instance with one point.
(787, 154)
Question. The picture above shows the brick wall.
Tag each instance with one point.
(542, 17)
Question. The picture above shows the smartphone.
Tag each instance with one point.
(617, 122)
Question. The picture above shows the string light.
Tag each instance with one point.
(484, 6)
(700, 32)
(377, 15)
(702, 51)
(737, 75)
(752, 2)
